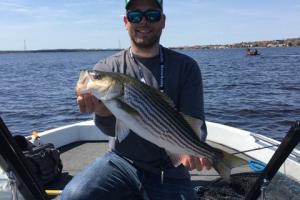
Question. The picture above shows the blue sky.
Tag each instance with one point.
(53, 24)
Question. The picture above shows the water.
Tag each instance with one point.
(260, 94)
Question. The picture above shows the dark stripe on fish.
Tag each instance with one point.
(160, 108)
(140, 102)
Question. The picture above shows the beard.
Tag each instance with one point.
(145, 43)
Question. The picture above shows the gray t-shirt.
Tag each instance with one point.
(182, 83)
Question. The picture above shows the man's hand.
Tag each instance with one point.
(192, 162)
(88, 103)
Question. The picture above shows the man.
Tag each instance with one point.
(136, 168)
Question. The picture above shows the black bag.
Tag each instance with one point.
(43, 160)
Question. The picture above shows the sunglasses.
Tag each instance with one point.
(136, 16)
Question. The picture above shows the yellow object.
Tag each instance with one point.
(35, 134)
(53, 192)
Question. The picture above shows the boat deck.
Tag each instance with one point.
(77, 155)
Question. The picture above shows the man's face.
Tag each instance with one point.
(144, 34)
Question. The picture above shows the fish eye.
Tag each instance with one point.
(97, 76)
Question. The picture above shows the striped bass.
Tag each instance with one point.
(152, 115)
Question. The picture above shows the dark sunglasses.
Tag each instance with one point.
(136, 16)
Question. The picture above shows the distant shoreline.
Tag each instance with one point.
(92, 50)
(56, 50)
(292, 42)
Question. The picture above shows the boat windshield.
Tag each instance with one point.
(8, 186)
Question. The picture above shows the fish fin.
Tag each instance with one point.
(121, 130)
(227, 163)
(121, 111)
(111, 142)
(196, 125)
(175, 158)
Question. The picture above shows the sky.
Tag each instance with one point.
(90, 24)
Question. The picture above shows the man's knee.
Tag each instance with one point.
(70, 193)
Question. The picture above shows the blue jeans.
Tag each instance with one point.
(112, 178)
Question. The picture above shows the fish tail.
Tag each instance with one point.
(227, 163)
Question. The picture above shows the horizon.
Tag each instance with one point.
(116, 48)
(57, 24)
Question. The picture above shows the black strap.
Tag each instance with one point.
(162, 68)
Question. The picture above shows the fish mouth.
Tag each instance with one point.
(103, 85)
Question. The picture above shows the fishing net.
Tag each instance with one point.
(240, 185)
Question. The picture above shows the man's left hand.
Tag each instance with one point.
(192, 162)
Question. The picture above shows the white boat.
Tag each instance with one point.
(80, 143)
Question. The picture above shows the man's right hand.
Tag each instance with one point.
(86, 101)
(89, 103)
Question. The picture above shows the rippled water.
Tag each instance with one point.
(256, 93)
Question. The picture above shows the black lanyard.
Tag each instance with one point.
(162, 68)
(161, 88)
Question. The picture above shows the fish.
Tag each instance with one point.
(152, 115)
